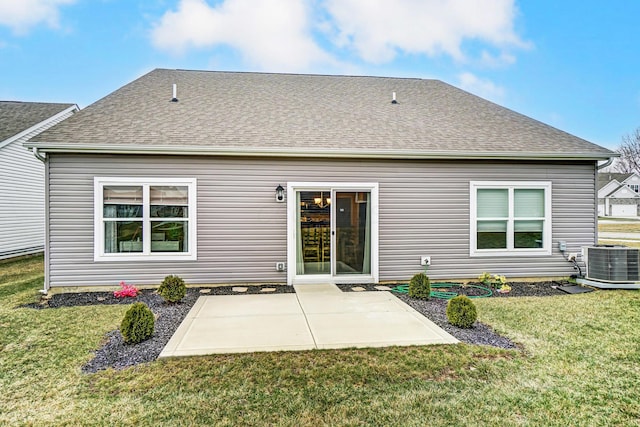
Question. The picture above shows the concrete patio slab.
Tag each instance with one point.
(375, 329)
(240, 324)
(350, 302)
(322, 288)
(316, 316)
(247, 305)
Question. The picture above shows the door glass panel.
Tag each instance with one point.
(353, 232)
(314, 232)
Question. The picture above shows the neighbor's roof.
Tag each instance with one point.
(606, 177)
(307, 115)
(16, 117)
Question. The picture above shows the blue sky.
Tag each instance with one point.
(572, 64)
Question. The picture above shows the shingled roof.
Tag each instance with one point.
(16, 117)
(286, 114)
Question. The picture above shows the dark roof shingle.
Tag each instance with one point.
(286, 112)
(16, 116)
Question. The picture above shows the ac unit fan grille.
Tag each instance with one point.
(613, 264)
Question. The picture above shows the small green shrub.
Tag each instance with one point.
(172, 289)
(138, 324)
(461, 312)
(420, 286)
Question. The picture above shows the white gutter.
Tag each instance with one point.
(297, 152)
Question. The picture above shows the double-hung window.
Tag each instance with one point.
(510, 218)
(144, 218)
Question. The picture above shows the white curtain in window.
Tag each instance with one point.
(528, 226)
(528, 203)
(493, 203)
(492, 226)
(122, 195)
(110, 231)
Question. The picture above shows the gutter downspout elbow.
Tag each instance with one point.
(605, 164)
(37, 155)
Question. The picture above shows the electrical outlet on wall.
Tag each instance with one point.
(425, 260)
(281, 266)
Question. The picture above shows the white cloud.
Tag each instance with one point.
(481, 87)
(495, 61)
(270, 34)
(378, 29)
(287, 35)
(22, 15)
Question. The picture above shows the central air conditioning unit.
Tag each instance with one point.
(615, 266)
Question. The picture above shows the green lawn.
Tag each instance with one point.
(580, 365)
(624, 227)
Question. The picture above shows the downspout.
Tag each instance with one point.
(599, 167)
(43, 159)
(606, 199)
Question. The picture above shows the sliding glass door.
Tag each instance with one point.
(313, 243)
(333, 233)
(353, 232)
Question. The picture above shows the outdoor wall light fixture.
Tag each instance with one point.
(279, 194)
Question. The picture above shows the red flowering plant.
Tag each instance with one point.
(126, 291)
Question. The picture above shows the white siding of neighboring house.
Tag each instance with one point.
(623, 202)
(242, 231)
(633, 179)
(22, 210)
(608, 188)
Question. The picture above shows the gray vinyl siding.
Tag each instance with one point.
(242, 231)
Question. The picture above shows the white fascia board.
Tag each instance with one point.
(315, 153)
(38, 125)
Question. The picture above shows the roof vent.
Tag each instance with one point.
(393, 101)
(175, 93)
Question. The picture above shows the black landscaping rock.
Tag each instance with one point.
(118, 355)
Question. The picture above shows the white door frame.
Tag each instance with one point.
(292, 213)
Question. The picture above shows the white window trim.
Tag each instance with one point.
(510, 251)
(146, 254)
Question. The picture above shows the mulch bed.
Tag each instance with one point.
(118, 355)
(518, 289)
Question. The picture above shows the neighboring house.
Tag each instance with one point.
(619, 194)
(22, 209)
(341, 179)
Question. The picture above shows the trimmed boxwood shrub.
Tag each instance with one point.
(172, 289)
(138, 324)
(461, 312)
(420, 286)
